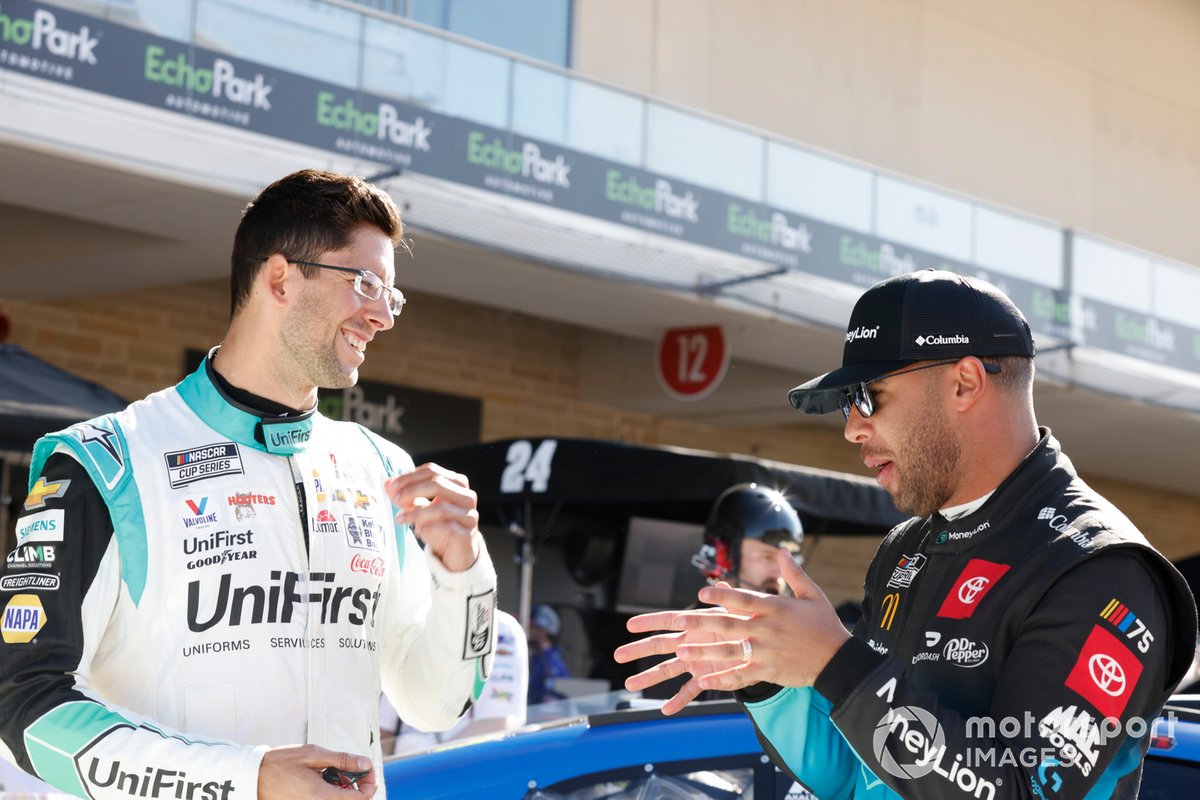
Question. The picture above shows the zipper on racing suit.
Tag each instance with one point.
(300, 501)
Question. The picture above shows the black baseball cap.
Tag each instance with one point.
(920, 316)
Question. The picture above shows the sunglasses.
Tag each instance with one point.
(860, 395)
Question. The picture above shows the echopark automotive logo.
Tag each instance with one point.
(973, 583)
(1105, 672)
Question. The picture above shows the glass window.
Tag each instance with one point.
(1176, 289)
(922, 218)
(574, 113)
(704, 152)
(1019, 247)
(172, 20)
(540, 103)
(312, 39)
(818, 187)
(539, 29)
(1111, 275)
(606, 123)
(444, 76)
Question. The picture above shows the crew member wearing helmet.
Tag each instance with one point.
(746, 526)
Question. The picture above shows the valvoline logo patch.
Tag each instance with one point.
(1105, 672)
(974, 582)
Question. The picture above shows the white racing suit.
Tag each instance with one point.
(193, 583)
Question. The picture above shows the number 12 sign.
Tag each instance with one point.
(692, 361)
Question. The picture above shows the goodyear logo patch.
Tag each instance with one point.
(23, 619)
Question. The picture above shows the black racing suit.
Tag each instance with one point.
(997, 655)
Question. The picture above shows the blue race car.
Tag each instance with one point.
(708, 750)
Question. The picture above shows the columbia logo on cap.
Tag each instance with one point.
(957, 338)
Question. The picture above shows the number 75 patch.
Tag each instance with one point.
(1128, 623)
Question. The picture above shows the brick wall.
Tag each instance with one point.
(525, 370)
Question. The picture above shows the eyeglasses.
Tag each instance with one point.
(860, 396)
(366, 283)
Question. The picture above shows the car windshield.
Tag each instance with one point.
(700, 785)
(585, 705)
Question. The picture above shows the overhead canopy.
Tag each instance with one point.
(36, 398)
(665, 482)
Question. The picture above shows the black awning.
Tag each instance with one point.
(36, 398)
(666, 482)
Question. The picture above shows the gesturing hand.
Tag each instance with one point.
(789, 639)
(670, 644)
(441, 507)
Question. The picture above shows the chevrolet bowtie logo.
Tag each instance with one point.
(41, 491)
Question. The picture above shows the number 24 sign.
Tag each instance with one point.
(692, 361)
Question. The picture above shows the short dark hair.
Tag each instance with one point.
(1016, 372)
(303, 215)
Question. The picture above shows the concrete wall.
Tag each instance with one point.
(1086, 112)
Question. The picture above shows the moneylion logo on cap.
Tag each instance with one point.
(862, 333)
(957, 338)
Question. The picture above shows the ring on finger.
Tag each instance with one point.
(747, 650)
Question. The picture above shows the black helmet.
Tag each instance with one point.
(741, 511)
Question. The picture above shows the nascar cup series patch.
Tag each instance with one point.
(23, 618)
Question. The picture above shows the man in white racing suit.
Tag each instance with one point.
(211, 588)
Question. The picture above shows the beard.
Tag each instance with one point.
(312, 352)
(928, 472)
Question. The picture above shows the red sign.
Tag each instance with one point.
(976, 580)
(1105, 672)
(692, 361)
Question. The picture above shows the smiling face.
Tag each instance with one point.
(327, 327)
(909, 442)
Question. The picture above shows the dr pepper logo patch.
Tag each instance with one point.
(976, 580)
(1105, 672)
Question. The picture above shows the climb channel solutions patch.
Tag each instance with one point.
(23, 618)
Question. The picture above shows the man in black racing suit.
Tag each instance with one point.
(1019, 634)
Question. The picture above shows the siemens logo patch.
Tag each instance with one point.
(209, 461)
(44, 527)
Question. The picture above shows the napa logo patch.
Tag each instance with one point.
(23, 619)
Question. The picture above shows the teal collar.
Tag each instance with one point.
(280, 435)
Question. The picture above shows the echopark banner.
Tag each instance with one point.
(115, 60)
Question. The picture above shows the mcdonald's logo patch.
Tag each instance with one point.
(887, 610)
